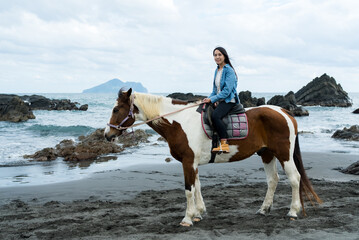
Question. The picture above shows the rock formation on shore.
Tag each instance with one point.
(13, 109)
(356, 111)
(288, 102)
(323, 91)
(351, 133)
(37, 102)
(352, 169)
(247, 100)
(190, 97)
(89, 147)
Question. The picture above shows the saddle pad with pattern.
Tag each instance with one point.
(237, 125)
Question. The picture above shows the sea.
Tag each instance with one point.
(51, 127)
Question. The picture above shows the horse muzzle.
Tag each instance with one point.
(111, 133)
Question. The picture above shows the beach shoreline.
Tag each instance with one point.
(148, 202)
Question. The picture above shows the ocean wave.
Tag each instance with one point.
(53, 130)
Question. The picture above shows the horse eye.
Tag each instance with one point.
(115, 110)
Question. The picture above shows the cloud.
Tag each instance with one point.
(167, 45)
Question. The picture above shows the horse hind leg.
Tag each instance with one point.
(294, 179)
(270, 167)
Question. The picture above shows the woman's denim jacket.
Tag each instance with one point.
(228, 86)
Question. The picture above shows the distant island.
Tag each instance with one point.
(114, 85)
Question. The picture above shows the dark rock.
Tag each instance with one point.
(186, 96)
(351, 133)
(37, 102)
(288, 102)
(13, 109)
(356, 111)
(323, 91)
(247, 100)
(46, 154)
(133, 139)
(89, 147)
(352, 169)
(84, 107)
(65, 148)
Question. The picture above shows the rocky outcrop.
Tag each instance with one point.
(13, 109)
(352, 169)
(186, 96)
(37, 102)
(323, 91)
(356, 111)
(351, 133)
(89, 147)
(84, 107)
(288, 102)
(247, 100)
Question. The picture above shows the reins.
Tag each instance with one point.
(119, 127)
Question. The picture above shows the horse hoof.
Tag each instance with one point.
(260, 212)
(196, 219)
(184, 224)
(263, 212)
(292, 218)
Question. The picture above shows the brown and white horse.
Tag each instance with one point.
(272, 133)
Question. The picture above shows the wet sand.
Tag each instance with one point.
(148, 202)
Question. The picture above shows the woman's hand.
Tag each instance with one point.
(206, 100)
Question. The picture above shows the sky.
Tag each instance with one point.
(274, 45)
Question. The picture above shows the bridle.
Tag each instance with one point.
(130, 114)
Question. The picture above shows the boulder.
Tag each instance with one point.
(323, 91)
(186, 96)
(351, 133)
(84, 107)
(352, 169)
(13, 109)
(46, 154)
(247, 100)
(89, 147)
(356, 111)
(288, 102)
(37, 102)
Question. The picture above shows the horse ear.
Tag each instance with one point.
(122, 91)
(129, 92)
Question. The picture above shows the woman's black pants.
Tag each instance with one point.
(219, 112)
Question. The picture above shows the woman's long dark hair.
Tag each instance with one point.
(226, 58)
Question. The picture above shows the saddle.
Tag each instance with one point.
(236, 121)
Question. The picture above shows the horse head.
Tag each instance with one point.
(122, 114)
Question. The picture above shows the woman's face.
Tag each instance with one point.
(218, 58)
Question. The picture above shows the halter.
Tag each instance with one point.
(130, 114)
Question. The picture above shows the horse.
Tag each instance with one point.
(273, 134)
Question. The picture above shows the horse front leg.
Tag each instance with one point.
(190, 190)
(200, 206)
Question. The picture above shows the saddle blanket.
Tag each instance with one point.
(237, 125)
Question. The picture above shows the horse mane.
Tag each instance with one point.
(149, 105)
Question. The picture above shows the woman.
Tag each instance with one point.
(224, 95)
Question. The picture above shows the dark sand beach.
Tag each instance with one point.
(148, 202)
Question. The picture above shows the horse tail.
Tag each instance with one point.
(305, 184)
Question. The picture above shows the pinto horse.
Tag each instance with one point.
(273, 134)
